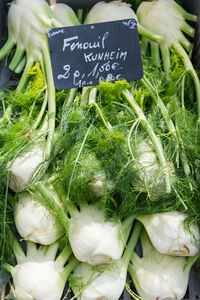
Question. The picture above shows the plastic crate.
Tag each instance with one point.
(193, 6)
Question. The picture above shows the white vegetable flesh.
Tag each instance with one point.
(93, 240)
(106, 281)
(149, 174)
(13, 22)
(40, 274)
(23, 168)
(159, 276)
(102, 282)
(99, 184)
(64, 14)
(41, 281)
(161, 12)
(112, 11)
(35, 222)
(168, 234)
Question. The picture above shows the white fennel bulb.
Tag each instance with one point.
(14, 24)
(65, 14)
(39, 274)
(35, 222)
(149, 176)
(99, 282)
(93, 240)
(23, 167)
(169, 235)
(161, 12)
(114, 11)
(111, 11)
(159, 276)
(39, 8)
(106, 281)
(27, 276)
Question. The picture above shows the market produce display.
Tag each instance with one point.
(88, 173)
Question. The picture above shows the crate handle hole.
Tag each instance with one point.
(197, 297)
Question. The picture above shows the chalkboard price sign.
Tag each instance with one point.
(87, 54)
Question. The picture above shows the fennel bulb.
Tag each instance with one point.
(168, 234)
(167, 18)
(159, 276)
(106, 281)
(28, 23)
(117, 10)
(99, 282)
(64, 14)
(109, 11)
(93, 240)
(149, 177)
(87, 178)
(40, 9)
(35, 222)
(23, 167)
(164, 13)
(40, 275)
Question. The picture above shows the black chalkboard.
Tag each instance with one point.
(87, 54)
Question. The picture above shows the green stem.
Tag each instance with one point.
(155, 53)
(41, 114)
(107, 124)
(85, 95)
(77, 158)
(161, 106)
(5, 50)
(80, 15)
(181, 11)
(189, 30)
(149, 34)
(70, 267)
(6, 115)
(183, 92)
(17, 249)
(9, 268)
(131, 293)
(129, 139)
(165, 57)
(92, 102)
(131, 269)
(50, 251)
(23, 80)
(144, 46)
(56, 23)
(185, 43)
(69, 99)
(146, 244)
(183, 155)
(51, 100)
(126, 227)
(21, 65)
(31, 249)
(131, 244)
(70, 207)
(53, 205)
(191, 260)
(19, 53)
(155, 140)
(169, 122)
(189, 68)
(64, 256)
